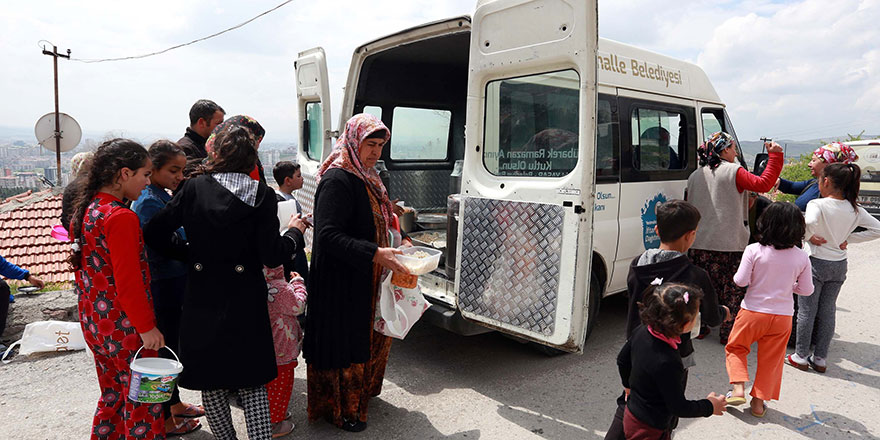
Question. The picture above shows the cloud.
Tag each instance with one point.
(809, 67)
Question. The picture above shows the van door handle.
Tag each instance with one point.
(578, 209)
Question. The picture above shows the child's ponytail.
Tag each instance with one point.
(667, 308)
(109, 158)
(845, 177)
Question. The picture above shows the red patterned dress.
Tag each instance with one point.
(114, 307)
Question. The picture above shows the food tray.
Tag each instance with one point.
(416, 265)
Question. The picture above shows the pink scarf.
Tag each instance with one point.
(345, 156)
(673, 342)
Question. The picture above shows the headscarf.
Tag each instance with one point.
(709, 152)
(240, 121)
(345, 156)
(836, 152)
(77, 161)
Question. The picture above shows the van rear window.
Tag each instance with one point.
(531, 126)
(420, 134)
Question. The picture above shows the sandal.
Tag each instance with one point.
(191, 412)
(761, 414)
(185, 427)
(734, 400)
(282, 428)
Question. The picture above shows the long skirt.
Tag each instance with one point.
(343, 394)
(721, 267)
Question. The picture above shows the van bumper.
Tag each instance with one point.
(870, 200)
(450, 319)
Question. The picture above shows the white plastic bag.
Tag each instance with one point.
(43, 336)
(398, 309)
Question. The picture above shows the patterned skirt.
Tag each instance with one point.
(721, 267)
(343, 394)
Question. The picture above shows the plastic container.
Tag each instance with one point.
(416, 265)
(59, 233)
(153, 379)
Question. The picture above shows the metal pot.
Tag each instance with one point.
(408, 219)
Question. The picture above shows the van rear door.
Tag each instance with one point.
(528, 178)
(313, 108)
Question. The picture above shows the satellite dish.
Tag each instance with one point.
(71, 133)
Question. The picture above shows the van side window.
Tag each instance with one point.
(658, 139)
(531, 126)
(420, 133)
(315, 143)
(713, 122)
(607, 162)
(373, 110)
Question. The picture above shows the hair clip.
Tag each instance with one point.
(657, 281)
(687, 297)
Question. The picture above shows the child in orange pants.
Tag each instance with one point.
(772, 269)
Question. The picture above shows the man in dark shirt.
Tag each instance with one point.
(204, 115)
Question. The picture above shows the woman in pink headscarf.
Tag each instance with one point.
(351, 252)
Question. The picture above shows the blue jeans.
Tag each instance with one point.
(828, 278)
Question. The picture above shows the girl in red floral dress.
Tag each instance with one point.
(112, 283)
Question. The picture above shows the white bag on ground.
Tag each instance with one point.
(44, 336)
(398, 309)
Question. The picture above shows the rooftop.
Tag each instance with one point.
(26, 222)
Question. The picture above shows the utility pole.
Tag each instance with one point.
(54, 54)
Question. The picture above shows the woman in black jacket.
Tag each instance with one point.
(351, 253)
(232, 228)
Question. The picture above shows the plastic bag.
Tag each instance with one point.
(44, 336)
(398, 309)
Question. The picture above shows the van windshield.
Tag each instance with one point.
(531, 126)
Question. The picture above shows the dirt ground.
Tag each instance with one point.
(439, 385)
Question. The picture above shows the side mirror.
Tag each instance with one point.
(760, 163)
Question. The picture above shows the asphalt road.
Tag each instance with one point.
(439, 385)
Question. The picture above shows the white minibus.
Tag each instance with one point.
(559, 143)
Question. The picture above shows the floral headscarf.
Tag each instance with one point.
(836, 152)
(77, 161)
(709, 152)
(240, 121)
(345, 156)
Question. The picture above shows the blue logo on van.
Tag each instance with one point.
(649, 221)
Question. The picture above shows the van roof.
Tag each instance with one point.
(863, 143)
(618, 64)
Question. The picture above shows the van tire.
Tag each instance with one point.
(593, 302)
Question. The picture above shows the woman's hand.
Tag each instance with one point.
(817, 240)
(773, 147)
(385, 258)
(406, 242)
(727, 316)
(719, 403)
(296, 221)
(844, 245)
(36, 281)
(153, 339)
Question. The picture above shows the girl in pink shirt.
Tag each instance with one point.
(772, 269)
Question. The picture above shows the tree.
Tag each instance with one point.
(795, 171)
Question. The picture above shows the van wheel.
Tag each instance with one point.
(594, 301)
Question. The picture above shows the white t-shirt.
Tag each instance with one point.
(835, 220)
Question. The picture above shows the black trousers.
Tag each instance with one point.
(168, 306)
(4, 305)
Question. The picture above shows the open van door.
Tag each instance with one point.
(528, 178)
(313, 108)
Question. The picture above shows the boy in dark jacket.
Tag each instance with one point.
(677, 222)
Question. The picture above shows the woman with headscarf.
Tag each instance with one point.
(807, 190)
(255, 128)
(720, 189)
(351, 253)
(80, 164)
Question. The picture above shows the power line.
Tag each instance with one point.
(134, 57)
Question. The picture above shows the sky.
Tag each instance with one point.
(786, 69)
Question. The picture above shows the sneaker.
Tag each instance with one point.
(282, 428)
(798, 362)
(817, 363)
